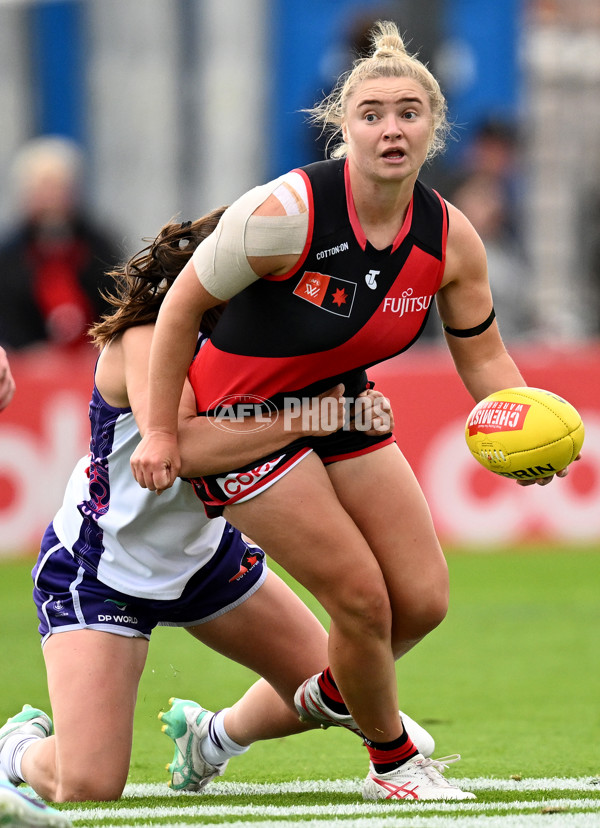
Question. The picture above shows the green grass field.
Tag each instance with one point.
(510, 680)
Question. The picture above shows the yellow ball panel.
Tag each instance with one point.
(524, 433)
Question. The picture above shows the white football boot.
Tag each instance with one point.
(311, 708)
(416, 780)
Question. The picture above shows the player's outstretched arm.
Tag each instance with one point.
(465, 304)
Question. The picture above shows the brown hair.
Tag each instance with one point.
(140, 285)
(388, 59)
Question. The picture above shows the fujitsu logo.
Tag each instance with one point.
(407, 303)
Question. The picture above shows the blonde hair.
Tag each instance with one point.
(388, 59)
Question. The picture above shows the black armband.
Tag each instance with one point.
(478, 329)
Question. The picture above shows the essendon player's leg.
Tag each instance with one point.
(300, 523)
(385, 500)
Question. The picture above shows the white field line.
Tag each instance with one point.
(354, 815)
(561, 820)
(353, 786)
(380, 809)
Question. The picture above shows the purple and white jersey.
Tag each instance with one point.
(128, 537)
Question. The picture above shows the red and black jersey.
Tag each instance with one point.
(344, 307)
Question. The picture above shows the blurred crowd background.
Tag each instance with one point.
(119, 114)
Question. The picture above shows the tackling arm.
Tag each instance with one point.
(206, 448)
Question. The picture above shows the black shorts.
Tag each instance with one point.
(220, 490)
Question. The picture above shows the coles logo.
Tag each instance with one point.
(237, 483)
(497, 416)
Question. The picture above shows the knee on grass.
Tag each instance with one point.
(84, 789)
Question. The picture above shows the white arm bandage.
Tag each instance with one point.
(221, 260)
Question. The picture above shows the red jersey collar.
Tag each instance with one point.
(354, 222)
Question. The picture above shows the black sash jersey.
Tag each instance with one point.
(344, 307)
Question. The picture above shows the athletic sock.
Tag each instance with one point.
(12, 754)
(387, 756)
(330, 693)
(218, 746)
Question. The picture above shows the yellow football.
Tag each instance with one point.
(524, 433)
